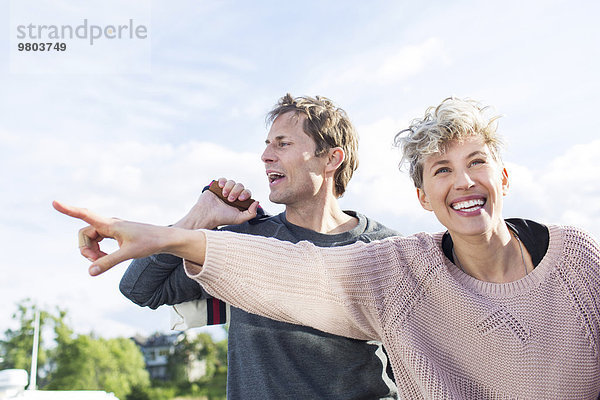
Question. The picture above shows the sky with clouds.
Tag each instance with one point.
(139, 137)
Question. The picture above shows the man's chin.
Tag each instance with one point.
(273, 198)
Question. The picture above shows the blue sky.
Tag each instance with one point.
(141, 144)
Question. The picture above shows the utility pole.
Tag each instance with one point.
(34, 352)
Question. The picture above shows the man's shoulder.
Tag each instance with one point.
(275, 226)
(264, 225)
(375, 230)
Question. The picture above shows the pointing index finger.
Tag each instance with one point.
(79, 213)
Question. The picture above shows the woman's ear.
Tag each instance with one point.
(423, 199)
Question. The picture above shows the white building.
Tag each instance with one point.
(157, 349)
(14, 381)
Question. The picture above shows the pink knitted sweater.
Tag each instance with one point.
(448, 335)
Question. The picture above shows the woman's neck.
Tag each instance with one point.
(497, 257)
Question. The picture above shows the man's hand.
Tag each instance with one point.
(210, 212)
(135, 240)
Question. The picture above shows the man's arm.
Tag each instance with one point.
(160, 279)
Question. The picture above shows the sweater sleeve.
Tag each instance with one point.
(339, 290)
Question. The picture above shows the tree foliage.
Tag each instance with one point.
(199, 351)
(112, 365)
(17, 344)
(73, 362)
(67, 361)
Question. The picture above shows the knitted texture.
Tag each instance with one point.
(448, 335)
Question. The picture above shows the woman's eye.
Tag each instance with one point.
(477, 162)
(441, 170)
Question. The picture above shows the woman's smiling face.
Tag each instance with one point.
(464, 187)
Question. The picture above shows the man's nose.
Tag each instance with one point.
(268, 156)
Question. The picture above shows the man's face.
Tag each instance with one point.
(295, 174)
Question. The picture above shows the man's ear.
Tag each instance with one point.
(423, 199)
(335, 157)
(505, 183)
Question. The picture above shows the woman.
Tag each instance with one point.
(489, 309)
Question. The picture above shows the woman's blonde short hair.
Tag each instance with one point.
(454, 119)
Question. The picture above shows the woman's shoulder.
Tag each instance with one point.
(575, 236)
(423, 240)
(413, 249)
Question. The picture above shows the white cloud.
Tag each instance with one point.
(381, 65)
(566, 190)
(378, 182)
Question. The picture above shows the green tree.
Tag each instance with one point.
(16, 347)
(85, 362)
(212, 356)
(73, 362)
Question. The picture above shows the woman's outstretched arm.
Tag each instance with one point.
(135, 240)
(340, 290)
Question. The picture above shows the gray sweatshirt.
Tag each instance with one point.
(269, 359)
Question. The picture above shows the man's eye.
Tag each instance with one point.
(283, 144)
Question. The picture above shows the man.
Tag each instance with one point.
(310, 155)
